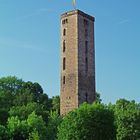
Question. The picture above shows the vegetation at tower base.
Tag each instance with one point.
(26, 113)
(54, 121)
(88, 122)
(98, 97)
(56, 104)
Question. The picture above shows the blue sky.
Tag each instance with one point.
(30, 44)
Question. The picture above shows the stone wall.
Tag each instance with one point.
(78, 83)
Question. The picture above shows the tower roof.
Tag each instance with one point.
(73, 12)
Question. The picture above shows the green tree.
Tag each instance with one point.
(25, 110)
(37, 125)
(23, 98)
(90, 122)
(34, 135)
(98, 97)
(127, 114)
(11, 84)
(19, 130)
(33, 88)
(4, 135)
(29, 92)
(24, 92)
(33, 128)
(44, 100)
(53, 123)
(56, 103)
(6, 101)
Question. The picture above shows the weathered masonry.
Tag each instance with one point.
(77, 60)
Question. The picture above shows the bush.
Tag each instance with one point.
(87, 123)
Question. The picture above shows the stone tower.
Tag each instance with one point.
(77, 60)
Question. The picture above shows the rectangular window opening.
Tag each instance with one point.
(64, 80)
(64, 46)
(64, 63)
(86, 47)
(64, 32)
(86, 61)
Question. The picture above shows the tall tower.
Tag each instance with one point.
(77, 60)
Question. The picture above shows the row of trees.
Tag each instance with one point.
(26, 113)
(120, 121)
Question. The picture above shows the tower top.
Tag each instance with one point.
(79, 12)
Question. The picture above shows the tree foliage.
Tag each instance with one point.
(98, 97)
(36, 124)
(56, 104)
(127, 115)
(18, 129)
(88, 122)
(21, 98)
(27, 113)
(32, 127)
(4, 135)
(52, 128)
(23, 111)
(6, 101)
(11, 84)
(34, 135)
